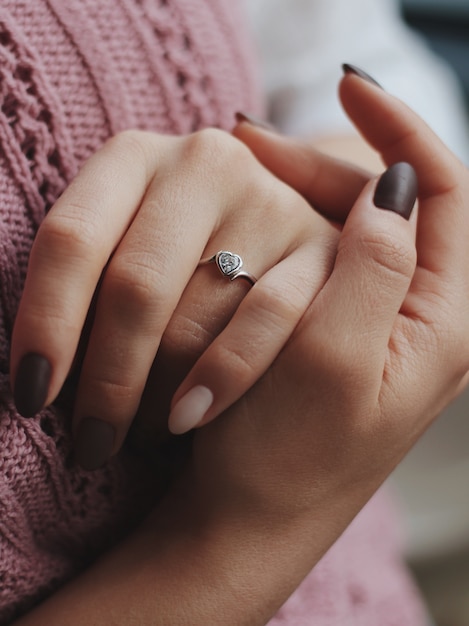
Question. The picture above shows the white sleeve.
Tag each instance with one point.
(303, 43)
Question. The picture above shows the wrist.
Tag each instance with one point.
(229, 561)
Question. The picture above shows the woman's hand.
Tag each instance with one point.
(382, 349)
(127, 236)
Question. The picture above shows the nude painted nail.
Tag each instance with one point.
(190, 409)
(31, 384)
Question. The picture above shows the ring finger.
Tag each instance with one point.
(260, 327)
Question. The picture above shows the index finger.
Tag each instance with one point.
(327, 183)
(401, 135)
(71, 249)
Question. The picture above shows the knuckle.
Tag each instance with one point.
(185, 336)
(277, 205)
(237, 361)
(271, 195)
(206, 144)
(212, 141)
(279, 305)
(55, 324)
(392, 255)
(117, 394)
(129, 145)
(213, 148)
(70, 234)
(136, 286)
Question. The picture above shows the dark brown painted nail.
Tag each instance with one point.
(397, 189)
(94, 442)
(31, 384)
(254, 121)
(353, 69)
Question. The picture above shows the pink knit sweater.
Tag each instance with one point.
(72, 73)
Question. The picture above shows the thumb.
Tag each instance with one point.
(349, 325)
(328, 184)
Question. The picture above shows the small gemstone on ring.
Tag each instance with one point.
(229, 263)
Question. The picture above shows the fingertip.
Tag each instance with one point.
(189, 411)
(252, 121)
(349, 69)
(397, 189)
(31, 384)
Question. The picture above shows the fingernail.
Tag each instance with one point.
(94, 442)
(254, 121)
(353, 69)
(31, 384)
(190, 409)
(397, 189)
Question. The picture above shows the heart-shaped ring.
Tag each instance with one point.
(230, 265)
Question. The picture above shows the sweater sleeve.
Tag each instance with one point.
(54, 518)
(304, 42)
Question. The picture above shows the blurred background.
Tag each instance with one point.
(433, 482)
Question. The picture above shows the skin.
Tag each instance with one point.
(379, 352)
(134, 245)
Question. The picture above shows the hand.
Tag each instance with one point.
(274, 481)
(127, 236)
(382, 349)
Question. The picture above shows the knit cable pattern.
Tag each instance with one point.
(71, 75)
(29, 134)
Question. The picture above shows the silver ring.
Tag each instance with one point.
(230, 266)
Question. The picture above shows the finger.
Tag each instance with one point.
(205, 308)
(139, 293)
(258, 331)
(72, 247)
(400, 135)
(345, 333)
(330, 185)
